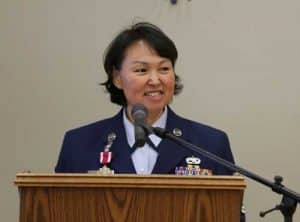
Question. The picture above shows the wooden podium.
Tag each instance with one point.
(129, 198)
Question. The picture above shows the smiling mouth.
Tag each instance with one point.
(154, 93)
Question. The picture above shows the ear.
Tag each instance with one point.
(117, 79)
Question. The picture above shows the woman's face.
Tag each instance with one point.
(146, 78)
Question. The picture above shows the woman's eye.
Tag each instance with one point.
(165, 69)
(140, 70)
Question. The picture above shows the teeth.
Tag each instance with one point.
(153, 93)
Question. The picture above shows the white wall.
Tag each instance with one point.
(238, 61)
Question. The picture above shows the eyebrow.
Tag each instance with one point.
(146, 63)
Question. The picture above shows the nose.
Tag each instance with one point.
(154, 78)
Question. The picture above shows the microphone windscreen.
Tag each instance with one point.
(139, 113)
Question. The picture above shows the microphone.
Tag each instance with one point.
(139, 115)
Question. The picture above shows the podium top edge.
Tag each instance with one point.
(128, 180)
(96, 175)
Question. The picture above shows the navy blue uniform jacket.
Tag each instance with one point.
(82, 146)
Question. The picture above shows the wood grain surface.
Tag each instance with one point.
(78, 198)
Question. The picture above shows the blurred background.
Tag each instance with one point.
(239, 62)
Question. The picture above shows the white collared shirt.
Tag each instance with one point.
(144, 158)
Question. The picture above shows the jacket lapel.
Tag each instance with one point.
(121, 156)
(170, 153)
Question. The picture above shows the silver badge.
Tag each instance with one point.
(193, 160)
(177, 132)
(110, 139)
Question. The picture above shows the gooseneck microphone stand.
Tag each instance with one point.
(290, 198)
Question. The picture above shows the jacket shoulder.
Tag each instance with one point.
(94, 127)
(203, 128)
(81, 145)
(197, 127)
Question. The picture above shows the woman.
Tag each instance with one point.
(139, 64)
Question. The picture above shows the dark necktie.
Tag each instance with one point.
(148, 141)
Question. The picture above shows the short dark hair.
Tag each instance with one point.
(115, 53)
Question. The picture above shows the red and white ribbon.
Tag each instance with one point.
(105, 157)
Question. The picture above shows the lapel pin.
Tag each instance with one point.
(177, 132)
(111, 137)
